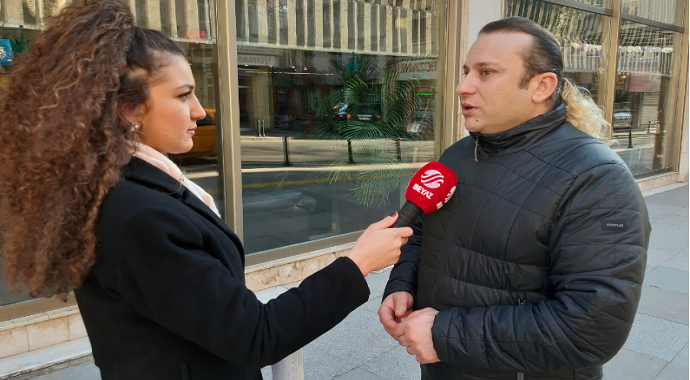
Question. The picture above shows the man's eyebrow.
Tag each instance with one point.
(481, 64)
(484, 64)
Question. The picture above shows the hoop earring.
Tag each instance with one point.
(135, 128)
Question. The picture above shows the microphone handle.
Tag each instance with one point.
(407, 214)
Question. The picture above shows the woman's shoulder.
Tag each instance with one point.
(141, 186)
(129, 197)
(133, 215)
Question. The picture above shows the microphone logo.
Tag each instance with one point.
(432, 179)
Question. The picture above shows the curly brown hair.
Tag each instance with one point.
(64, 140)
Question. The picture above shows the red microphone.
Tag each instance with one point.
(429, 189)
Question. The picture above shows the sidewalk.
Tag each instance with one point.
(657, 348)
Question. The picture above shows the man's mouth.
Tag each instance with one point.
(468, 109)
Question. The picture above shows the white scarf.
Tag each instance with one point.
(163, 163)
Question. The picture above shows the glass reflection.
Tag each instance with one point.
(666, 11)
(598, 3)
(580, 35)
(646, 91)
(337, 111)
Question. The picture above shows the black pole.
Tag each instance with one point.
(630, 138)
(349, 152)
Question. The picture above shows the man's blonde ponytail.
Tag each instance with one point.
(583, 113)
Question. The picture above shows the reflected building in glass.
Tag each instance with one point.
(642, 96)
(337, 109)
(646, 92)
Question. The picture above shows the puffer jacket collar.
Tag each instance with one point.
(519, 137)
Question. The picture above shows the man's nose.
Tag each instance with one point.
(465, 86)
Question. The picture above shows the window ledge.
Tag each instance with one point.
(291, 269)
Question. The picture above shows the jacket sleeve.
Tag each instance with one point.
(164, 271)
(404, 274)
(597, 258)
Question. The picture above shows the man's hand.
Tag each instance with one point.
(393, 309)
(414, 332)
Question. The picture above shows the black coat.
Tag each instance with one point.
(536, 262)
(166, 298)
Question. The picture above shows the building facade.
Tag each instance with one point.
(319, 111)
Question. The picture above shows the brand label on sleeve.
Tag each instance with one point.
(614, 225)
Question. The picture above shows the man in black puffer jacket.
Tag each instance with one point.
(533, 269)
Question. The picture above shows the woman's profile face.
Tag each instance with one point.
(169, 120)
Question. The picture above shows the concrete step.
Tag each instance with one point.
(31, 361)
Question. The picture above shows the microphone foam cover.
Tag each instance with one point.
(431, 187)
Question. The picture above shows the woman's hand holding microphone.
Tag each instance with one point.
(379, 246)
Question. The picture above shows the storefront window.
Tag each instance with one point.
(646, 80)
(337, 110)
(6, 296)
(665, 11)
(646, 93)
(191, 23)
(580, 35)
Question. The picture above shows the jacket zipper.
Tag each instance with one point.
(521, 300)
(521, 375)
(476, 147)
(434, 284)
(476, 144)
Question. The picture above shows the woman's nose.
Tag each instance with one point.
(197, 111)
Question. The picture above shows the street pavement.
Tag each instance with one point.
(657, 348)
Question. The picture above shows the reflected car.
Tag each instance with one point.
(420, 129)
(358, 112)
(419, 126)
(622, 120)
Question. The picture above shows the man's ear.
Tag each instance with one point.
(543, 86)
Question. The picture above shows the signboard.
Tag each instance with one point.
(256, 60)
(643, 82)
(5, 52)
(195, 36)
(423, 69)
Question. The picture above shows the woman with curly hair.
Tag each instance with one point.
(91, 202)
